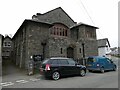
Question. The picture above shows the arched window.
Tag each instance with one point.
(61, 32)
(59, 29)
(54, 30)
(65, 32)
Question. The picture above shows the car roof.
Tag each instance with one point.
(97, 57)
(59, 58)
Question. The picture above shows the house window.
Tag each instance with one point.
(61, 50)
(7, 44)
(80, 50)
(54, 31)
(65, 32)
(59, 30)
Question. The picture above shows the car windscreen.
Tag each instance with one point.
(71, 62)
(91, 60)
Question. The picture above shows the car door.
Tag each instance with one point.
(110, 64)
(105, 64)
(64, 67)
(73, 69)
(54, 64)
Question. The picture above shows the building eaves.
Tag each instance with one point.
(30, 20)
(79, 24)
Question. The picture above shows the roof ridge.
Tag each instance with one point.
(52, 10)
(56, 9)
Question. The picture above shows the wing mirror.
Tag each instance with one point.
(76, 63)
(111, 61)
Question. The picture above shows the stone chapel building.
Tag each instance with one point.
(53, 34)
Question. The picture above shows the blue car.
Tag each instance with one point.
(97, 63)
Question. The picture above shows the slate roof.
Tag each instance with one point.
(7, 37)
(30, 20)
(102, 42)
(57, 15)
(81, 23)
(58, 9)
(1, 35)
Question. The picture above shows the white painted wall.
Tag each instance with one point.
(107, 50)
(103, 51)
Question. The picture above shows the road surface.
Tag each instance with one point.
(91, 80)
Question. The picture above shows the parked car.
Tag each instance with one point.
(57, 67)
(97, 63)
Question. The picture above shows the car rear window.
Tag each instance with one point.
(91, 60)
(45, 61)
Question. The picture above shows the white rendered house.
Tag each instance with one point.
(104, 47)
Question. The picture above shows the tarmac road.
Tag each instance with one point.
(91, 80)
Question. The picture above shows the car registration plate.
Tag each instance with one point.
(89, 65)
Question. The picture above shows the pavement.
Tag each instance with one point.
(12, 73)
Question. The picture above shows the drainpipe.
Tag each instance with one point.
(43, 44)
(83, 49)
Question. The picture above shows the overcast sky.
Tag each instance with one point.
(100, 13)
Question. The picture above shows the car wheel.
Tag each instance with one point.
(102, 70)
(55, 75)
(114, 68)
(82, 72)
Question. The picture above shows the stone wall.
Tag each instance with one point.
(1, 38)
(91, 48)
(58, 46)
(56, 15)
(0, 48)
(37, 33)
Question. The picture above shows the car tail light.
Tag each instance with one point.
(47, 67)
(98, 65)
